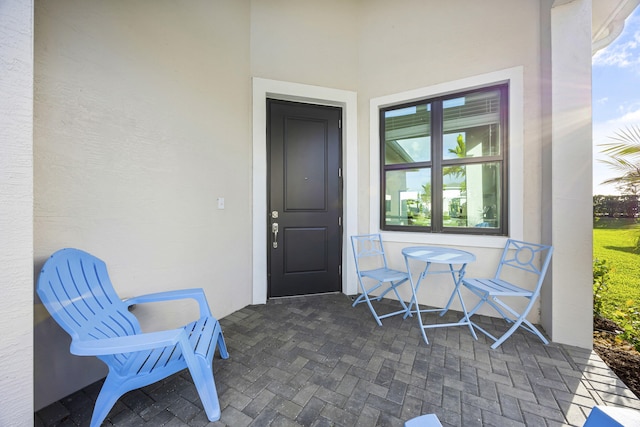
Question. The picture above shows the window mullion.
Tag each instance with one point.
(472, 160)
(436, 169)
(405, 166)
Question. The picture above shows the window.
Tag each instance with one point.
(444, 163)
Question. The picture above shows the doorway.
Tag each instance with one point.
(304, 184)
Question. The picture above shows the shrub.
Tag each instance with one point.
(600, 285)
(628, 318)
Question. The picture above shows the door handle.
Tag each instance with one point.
(274, 230)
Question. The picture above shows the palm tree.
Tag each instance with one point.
(461, 147)
(461, 152)
(624, 156)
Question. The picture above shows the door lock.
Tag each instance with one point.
(274, 230)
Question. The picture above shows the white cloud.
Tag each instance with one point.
(631, 118)
(603, 131)
(620, 54)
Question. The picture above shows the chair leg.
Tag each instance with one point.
(514, 327)
(373, 311)
(404, 306)
(520, 319)
(206, 387)
(457, 281)
(535, 330)
(507, 334)
(484, 298)
(358, 300)
(202, 374)
(365, 293)
(364, 297)
(109, 395)
(392, 287)
(222, 345)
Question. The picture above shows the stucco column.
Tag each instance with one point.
(16, 212)
(568, 300)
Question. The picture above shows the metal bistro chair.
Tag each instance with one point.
(517, 255)
(75, 287)
(368, 250)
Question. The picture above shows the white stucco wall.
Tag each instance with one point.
(314, 43)
(16, 212)
(142, 120)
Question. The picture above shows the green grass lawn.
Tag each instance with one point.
(614, 240)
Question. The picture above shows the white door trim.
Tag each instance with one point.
(274, 89)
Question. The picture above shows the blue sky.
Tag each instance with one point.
(616, 95)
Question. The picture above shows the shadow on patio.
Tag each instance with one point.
(316, 361)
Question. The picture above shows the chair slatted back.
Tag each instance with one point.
(532, 258)
(75, 288)
(368, 247)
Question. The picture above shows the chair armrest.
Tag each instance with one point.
(194, 293)
(126, 344)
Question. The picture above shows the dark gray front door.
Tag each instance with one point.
(305, 198)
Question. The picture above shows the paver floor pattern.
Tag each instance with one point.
(316, 361)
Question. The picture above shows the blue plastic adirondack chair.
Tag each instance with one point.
(517, 255)
(75, 287)
(611, 416)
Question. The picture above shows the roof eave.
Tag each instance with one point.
(608, 19)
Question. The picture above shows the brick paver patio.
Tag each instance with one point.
(316, 361)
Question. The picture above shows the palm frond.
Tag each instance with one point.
(624, 156)
(629, 141)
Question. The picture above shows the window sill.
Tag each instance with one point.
(462, 240)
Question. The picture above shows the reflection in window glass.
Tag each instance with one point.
(471, 196)
(407, 135)
(408, 197)
(471, 125)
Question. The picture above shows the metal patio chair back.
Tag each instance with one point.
(374, 273)
(531, 258)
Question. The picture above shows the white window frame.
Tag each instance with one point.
(512, 76)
